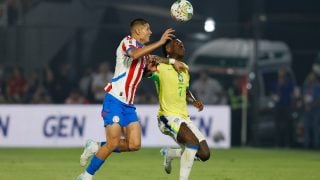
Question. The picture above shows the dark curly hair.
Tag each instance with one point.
(165, 45)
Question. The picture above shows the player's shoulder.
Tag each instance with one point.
(128, 38)
(186, 65)
(164, 66)
(169, 67)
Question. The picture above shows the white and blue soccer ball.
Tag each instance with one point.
(181, 10)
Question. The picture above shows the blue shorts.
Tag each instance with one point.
(115, 111)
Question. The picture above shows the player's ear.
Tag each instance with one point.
(138, 29)
(135, 30)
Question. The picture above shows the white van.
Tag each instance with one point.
(226, 59)
(236, 56)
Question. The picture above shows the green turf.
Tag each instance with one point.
(146, 164)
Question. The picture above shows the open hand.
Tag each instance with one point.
(167, 35)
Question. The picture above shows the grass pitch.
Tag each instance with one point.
(146, 164)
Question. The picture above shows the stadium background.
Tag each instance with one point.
(56, 44)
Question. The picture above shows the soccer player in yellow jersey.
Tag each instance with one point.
(173, 119)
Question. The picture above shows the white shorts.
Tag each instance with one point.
(170, 125)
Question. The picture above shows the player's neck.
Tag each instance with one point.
(177, 57)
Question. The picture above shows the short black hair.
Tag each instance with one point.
(138, 21)
(164, 51)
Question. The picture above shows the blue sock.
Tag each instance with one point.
(116, 150)
(195, 147)
(94, 165)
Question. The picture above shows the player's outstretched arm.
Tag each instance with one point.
(195, 102)
(139, 52)
(178, 65)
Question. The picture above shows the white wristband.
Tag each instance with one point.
(172, 61)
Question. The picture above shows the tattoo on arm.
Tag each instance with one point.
(159, 59)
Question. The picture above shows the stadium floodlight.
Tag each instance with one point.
(209, 25)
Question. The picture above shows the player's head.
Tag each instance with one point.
(174, 49)
(140, 30)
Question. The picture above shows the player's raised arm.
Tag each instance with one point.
(139, 52)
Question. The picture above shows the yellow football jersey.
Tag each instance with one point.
(171, 88)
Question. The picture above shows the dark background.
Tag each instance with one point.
(27, 40)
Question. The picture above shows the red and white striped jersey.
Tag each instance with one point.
(128, 71)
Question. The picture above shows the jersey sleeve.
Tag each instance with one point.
(128, 44)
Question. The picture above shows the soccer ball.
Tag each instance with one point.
(181, 10)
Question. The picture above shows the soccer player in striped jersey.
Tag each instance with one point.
(173, 118)
(118, 110)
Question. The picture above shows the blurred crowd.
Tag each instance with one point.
(55, 85)
(46, 85)
(296, 109)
